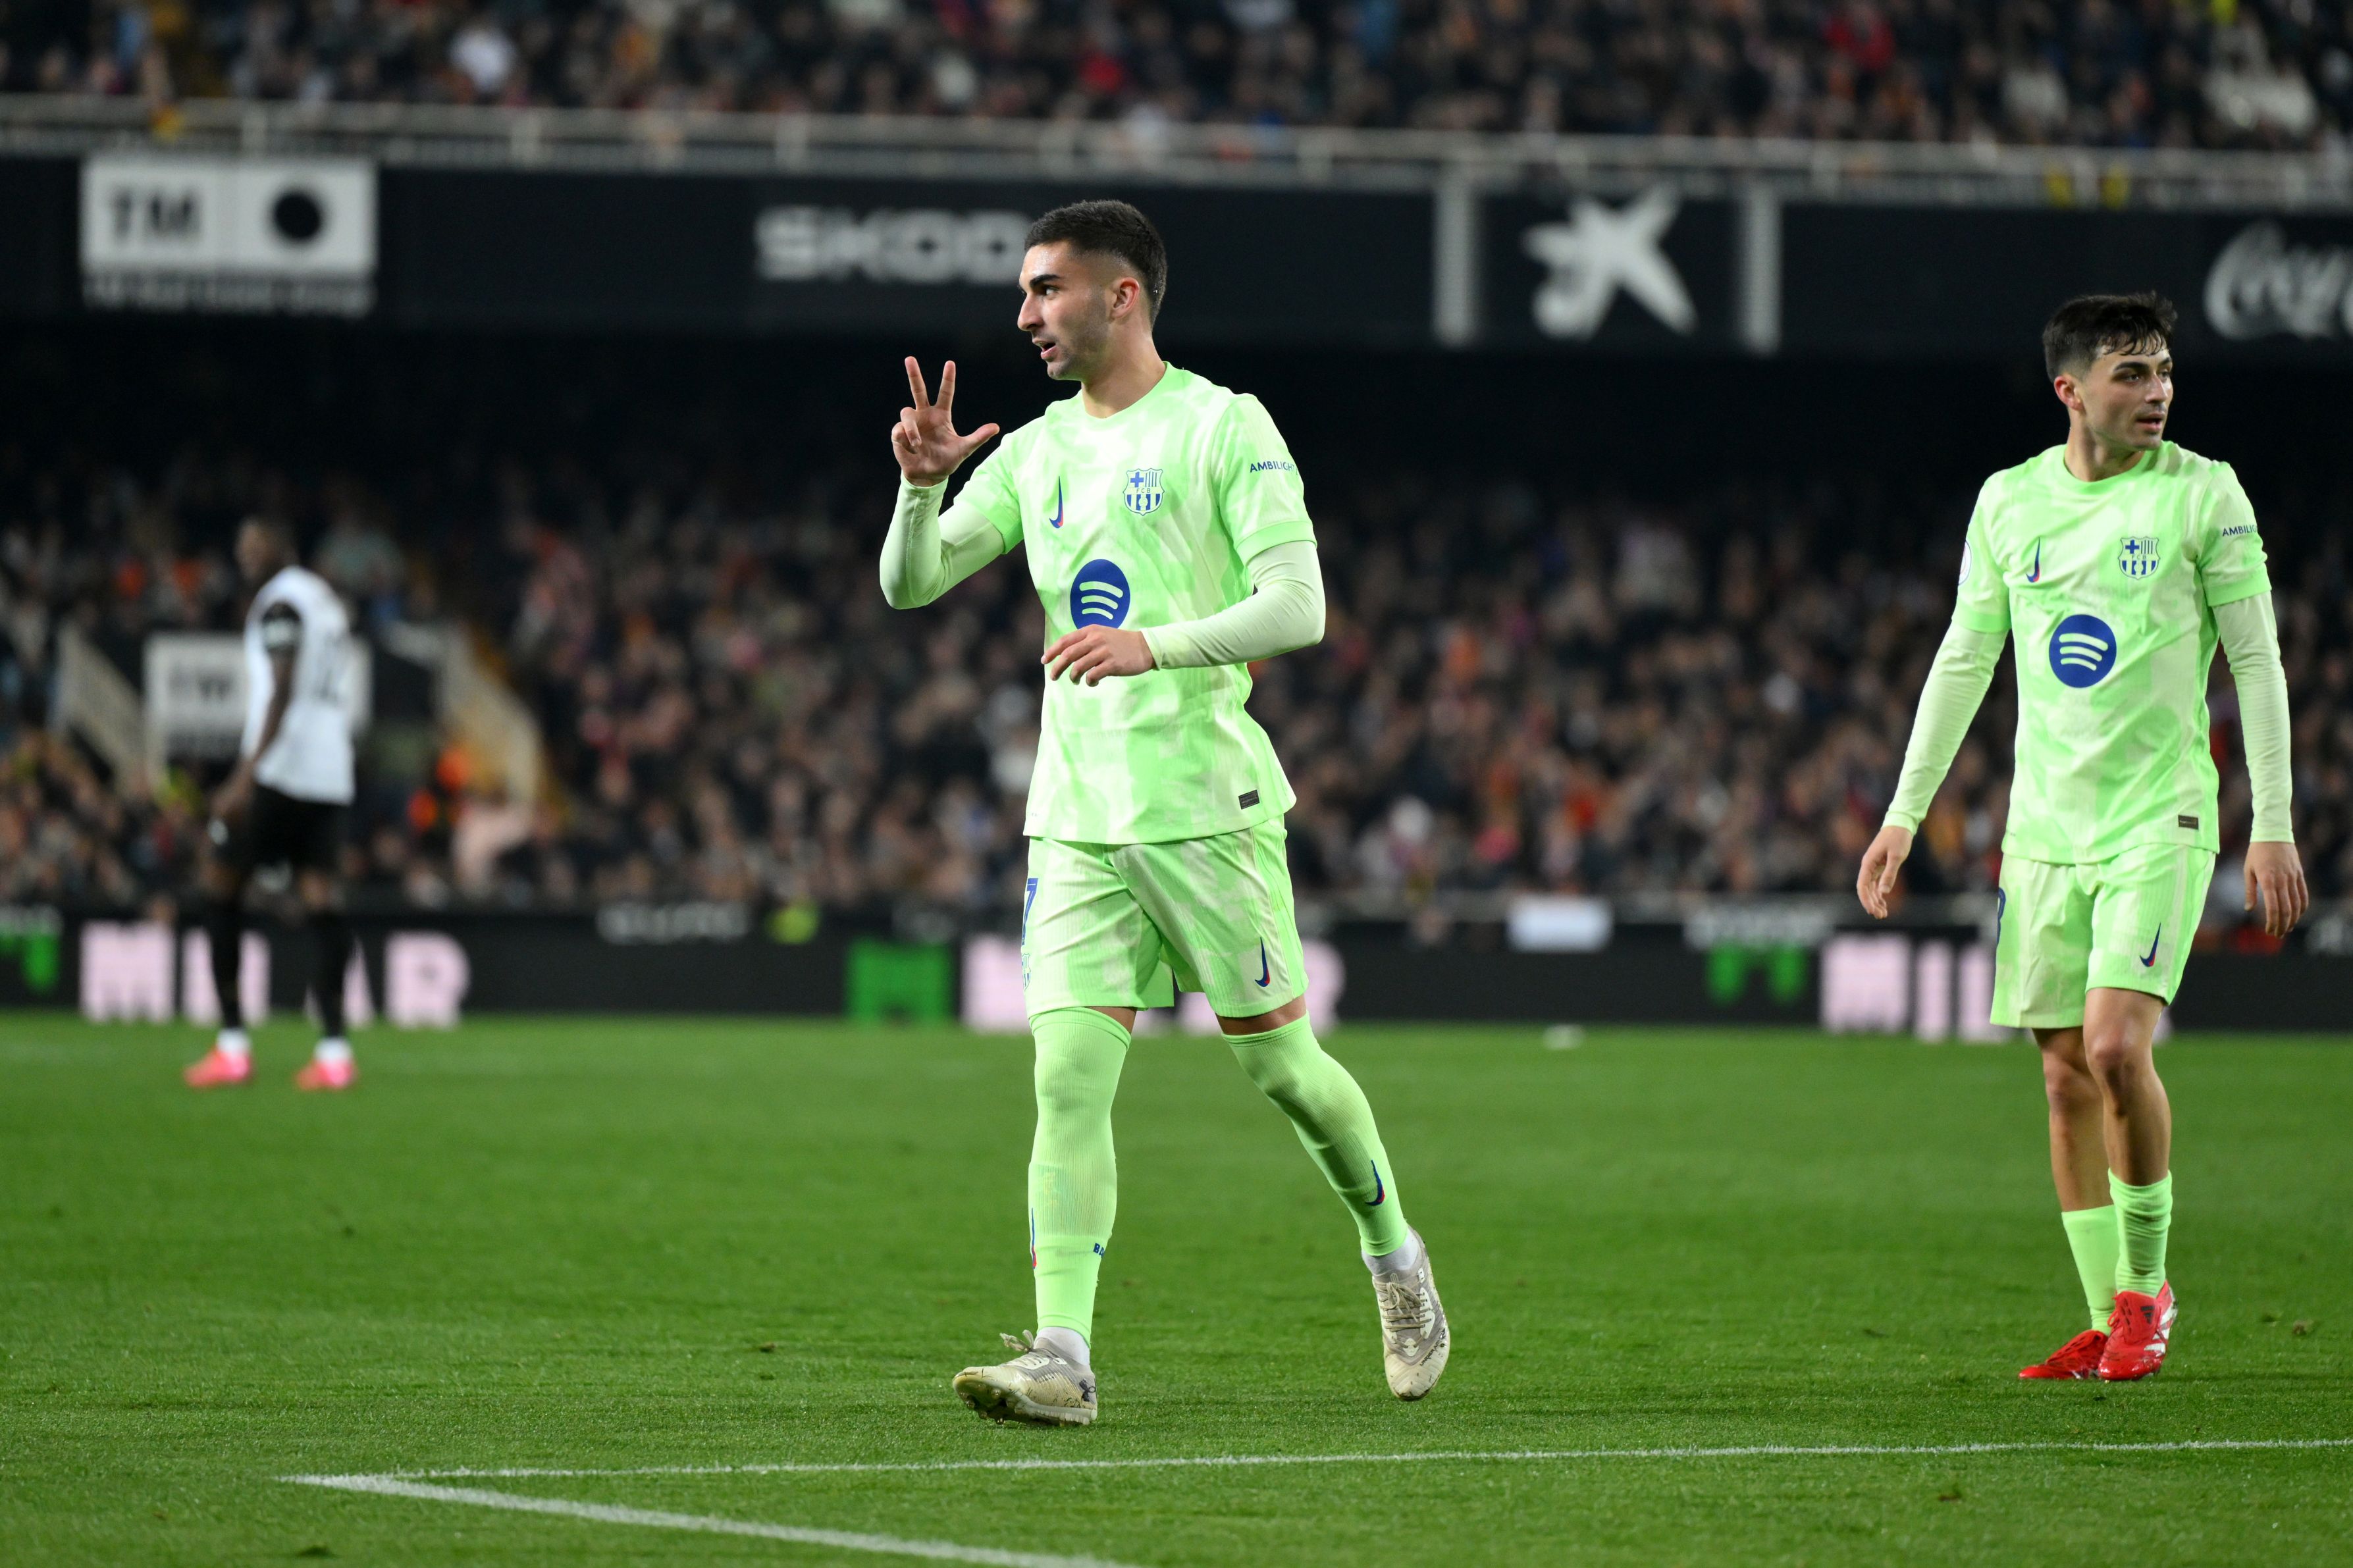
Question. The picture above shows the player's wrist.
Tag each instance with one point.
(1165, 645)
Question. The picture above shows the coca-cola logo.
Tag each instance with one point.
(2261, 285)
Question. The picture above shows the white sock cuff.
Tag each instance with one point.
(1404, 1260)
(1068, 1343)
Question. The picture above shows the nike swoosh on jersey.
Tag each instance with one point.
(1264, 973)
(2033, 575)
(1057, 519)
(2150, 961)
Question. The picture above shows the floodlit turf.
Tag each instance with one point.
(620, 1244)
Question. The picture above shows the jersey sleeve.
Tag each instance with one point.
(991, 493)
(2228, 549)
(1981, 599)
(1261, 498)
(281, 628)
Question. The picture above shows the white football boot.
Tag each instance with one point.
(1036, 1385)
(1413, 1326)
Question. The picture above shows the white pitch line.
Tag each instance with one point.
(713, 1524)
(1499, 1456)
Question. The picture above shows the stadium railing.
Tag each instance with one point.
(1209, 155)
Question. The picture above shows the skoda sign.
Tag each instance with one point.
(813, 244)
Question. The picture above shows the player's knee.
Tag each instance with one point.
(1066, 1090)
(2114, 1055)
(1060, 1098)
(2067, 1082)
(1278, 1077)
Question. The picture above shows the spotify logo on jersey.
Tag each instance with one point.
(2083, 650)
(1099, 597)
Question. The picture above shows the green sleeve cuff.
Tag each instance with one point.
(1266, 536)
(1978, 621)
(1011, 538)
(2220, 594)
(1170, 649)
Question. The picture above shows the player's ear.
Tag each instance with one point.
(2068, 391)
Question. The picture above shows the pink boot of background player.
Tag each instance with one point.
(330, 1067)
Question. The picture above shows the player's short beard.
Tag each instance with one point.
(1088, 345)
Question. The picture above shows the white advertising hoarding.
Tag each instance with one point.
(194, 691)
(293, 235)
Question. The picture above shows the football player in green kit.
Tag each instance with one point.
(2116, 562)
(1168, 535)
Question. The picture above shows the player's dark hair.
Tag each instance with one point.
(2090, 325)
(1111, 228)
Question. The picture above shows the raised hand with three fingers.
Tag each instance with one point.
(924, 440)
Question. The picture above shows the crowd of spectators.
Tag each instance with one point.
(1518, 690)
(2217, 73)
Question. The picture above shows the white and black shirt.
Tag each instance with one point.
(297, 612)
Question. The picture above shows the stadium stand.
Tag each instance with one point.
(2215, 73)
(1518, 689)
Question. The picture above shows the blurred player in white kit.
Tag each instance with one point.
(286, 802)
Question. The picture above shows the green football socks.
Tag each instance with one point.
(1073, 1177)
(2094, 1239)
(1335, 1122)
(2144, 1215)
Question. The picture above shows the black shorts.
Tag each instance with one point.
(280, 830)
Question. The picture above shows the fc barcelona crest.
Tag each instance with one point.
(2137, 556)
(1144, 492)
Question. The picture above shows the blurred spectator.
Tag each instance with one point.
(359, 557)
(1518, 691)
(2214, 73)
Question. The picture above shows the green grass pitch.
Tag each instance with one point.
(629, 1244)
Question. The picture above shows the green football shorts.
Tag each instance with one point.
(2126, 922)
(1128, 925)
